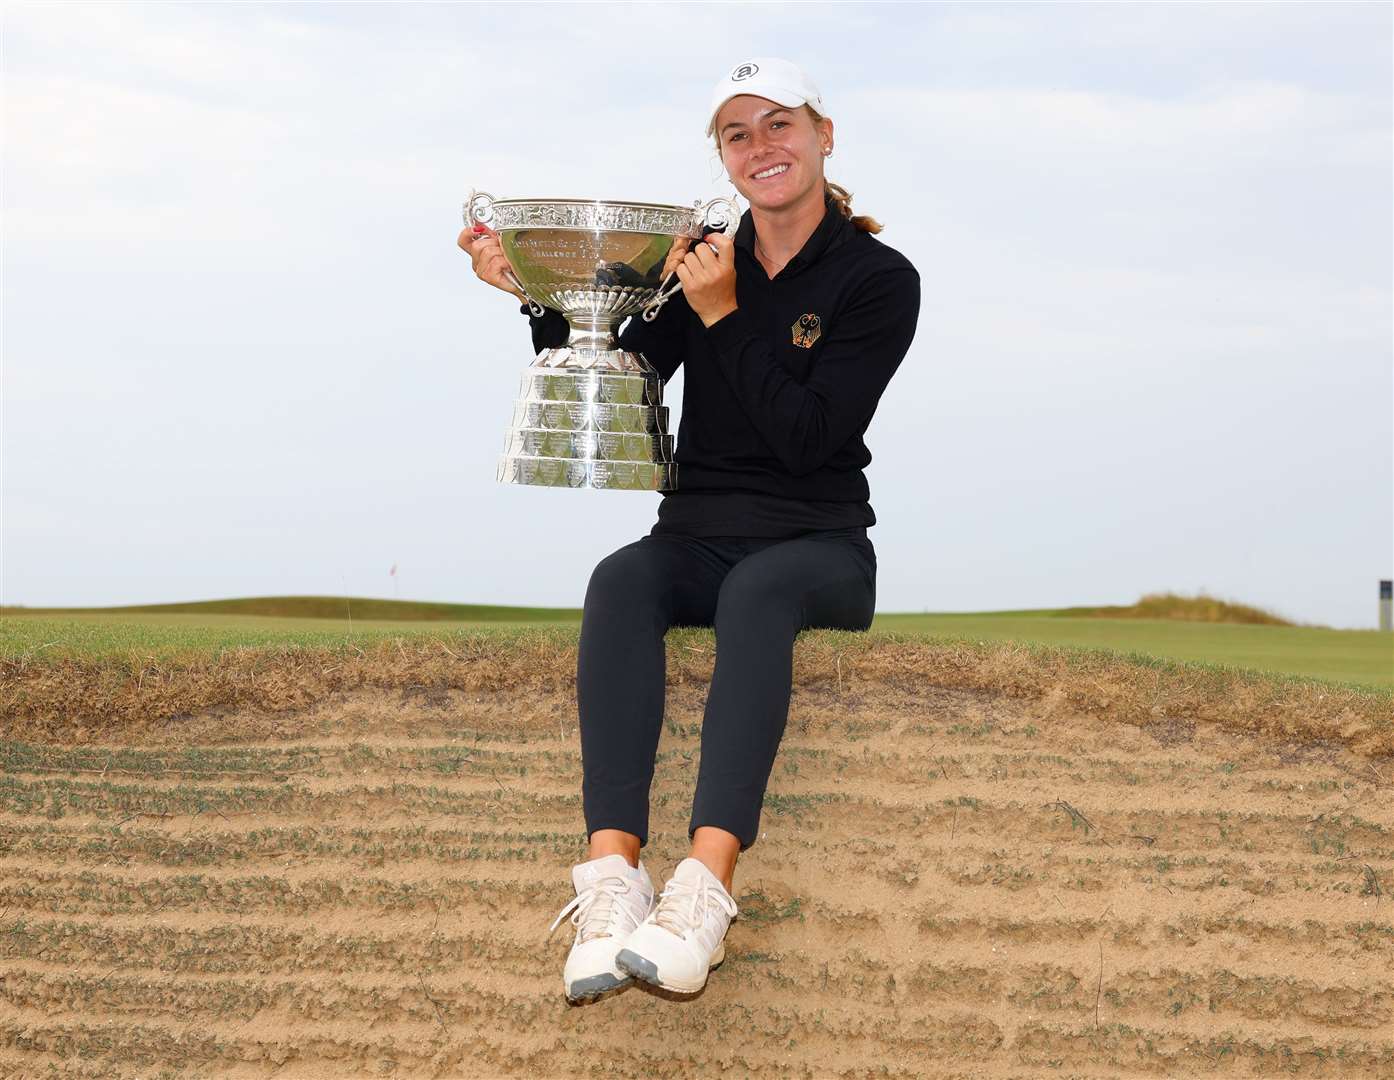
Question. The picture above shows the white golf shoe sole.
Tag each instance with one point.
(647, 971)
(592, 987)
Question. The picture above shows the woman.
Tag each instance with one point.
(790, 332)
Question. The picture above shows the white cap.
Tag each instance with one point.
(767, 77)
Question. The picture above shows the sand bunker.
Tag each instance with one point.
(950, 882)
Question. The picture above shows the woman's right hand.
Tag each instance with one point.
(482, 245)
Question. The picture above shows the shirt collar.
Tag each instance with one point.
(831, 231)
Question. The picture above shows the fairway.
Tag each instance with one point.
(1355, 656)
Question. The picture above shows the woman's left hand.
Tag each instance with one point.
(709, 278)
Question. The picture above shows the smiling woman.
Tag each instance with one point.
(737, 119)
(789, 333)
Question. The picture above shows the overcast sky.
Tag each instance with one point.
(243, 356)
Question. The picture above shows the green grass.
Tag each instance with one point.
(1365, 657)
(165, 637)
(346, 608)
(1361, 657)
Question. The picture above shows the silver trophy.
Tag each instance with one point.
(589, 414)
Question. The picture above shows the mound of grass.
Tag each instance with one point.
(327, 607)
(1198, 608)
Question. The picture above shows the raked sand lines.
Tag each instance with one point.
(962, 888)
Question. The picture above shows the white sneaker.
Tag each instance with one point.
(684, 936)
(612, 898)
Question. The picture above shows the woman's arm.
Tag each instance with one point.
(549, 330)
(805, 424)
(663, 341)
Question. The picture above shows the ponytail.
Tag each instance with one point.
(842, 199)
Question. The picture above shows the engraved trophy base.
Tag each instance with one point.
(590, 418)
(612, 475)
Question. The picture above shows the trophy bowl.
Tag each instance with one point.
(590, 414)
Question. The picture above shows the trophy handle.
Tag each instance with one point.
(479, 207)
(724, 222)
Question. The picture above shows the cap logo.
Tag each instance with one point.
(745, 71)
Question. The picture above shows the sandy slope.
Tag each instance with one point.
(950, 883)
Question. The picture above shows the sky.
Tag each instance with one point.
(243, 356)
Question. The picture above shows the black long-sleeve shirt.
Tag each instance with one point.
(778, 394)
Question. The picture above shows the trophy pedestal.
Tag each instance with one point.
(590, 418)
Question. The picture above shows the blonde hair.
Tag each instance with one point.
(842, 199)
(840, 196)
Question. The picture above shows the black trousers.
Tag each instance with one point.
(758, 594)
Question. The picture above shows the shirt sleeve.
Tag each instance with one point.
(806, 423)
(549, 330)
(663, 341)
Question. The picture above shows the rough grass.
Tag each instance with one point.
(1198, 608)
(84, 699)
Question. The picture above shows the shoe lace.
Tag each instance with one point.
(682, 905)
(592, 908)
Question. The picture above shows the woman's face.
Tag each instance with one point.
(774, 155)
